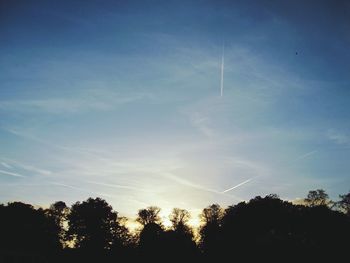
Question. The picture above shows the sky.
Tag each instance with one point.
(121, 100)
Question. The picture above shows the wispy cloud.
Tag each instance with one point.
(338, 137)
(202, 123)
(12, 174)
(29, 136)
(76, 150)
(82, 189)
(303, 156)
(6, 165)
(222, 71)
(188, 183)
(27, 167)
(257, 168)
(90, 100)
(118, 186)
(193, 185)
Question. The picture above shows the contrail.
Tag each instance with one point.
(188, 183)
(305, 155)
(27, 167)
(117, 186)
(238, 185)
(222, 70)
(6, 165)
(83, 190)
(199, 187)
(12, 174)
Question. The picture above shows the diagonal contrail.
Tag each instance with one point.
(6, 165)
(222, 71)
(118, 186)
(199, 187)
(238, 185)
(305, 155)
(82, 189)
(12, 174)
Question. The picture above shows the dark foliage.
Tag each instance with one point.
(263, 229)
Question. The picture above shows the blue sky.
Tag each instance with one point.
(121, 99)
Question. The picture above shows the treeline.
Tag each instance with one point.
(265, 229)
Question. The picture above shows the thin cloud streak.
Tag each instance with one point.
(202, 123)
(118, 186)
(189, 183)
(12, 174)
(52, 145)
(305, 155)
(6, 165)
(200, 187)
(339, 138)
(28, 167)
(236, 186)
(222, 71)
(104, 100)
(83, 190)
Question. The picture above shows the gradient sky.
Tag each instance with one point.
(121, 99)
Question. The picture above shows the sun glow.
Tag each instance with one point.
(194, 222)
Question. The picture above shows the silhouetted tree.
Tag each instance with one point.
(210, 230)
(151, 235)
(179, 241)
(183, 232)
(270, 229)
(211, 214)
(123, 237)
(317, 197)
(263, 229)
(124, 243)
(344, 203)
(92, 224)
(149, 215)
(26, 234)
(179, 217)
(58, 212)
(261, 226)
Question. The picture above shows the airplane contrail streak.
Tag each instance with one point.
(12, 174)
(199, 187)
(117, 186)
(82, 189)
(6, 165)
(305, 155)
(238, 185)
(222, 71)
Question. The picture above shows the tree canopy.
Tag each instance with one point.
(263, 228)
